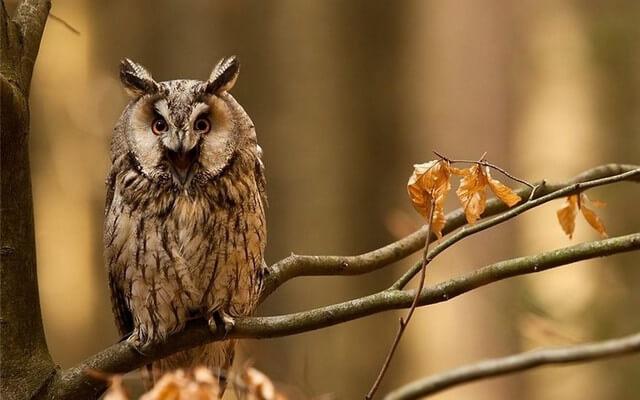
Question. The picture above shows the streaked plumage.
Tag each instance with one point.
(185, 226)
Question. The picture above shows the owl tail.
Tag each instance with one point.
(217, 356)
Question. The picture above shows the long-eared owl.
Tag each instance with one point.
(184, 230)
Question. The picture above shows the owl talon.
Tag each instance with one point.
(229, 322)
(221, 319)
(213, 325)
(137, 344)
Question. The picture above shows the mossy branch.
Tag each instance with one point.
(121, 358)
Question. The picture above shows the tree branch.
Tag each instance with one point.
(301, 265)
(520, 362)
(20, 38)
(512, 213)
(31, 17)
(121, 358)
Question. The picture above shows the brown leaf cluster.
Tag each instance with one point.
(567, 214)
(430, 183)
(472, 191)
(201, 384)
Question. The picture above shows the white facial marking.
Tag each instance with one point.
(198, 108)
(162, 107)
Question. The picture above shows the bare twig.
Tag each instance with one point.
(501, 366)
(303, 265)
(121, 357)
(404, 322)
(515, 211)
(485, 163)
(64, 23)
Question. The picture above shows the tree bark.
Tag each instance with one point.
(25, 359)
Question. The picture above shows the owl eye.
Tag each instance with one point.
(159, 126)
(202, 125)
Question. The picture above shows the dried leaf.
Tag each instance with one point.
(116, 391)
(427, 186)
(567, 215)
(593, 220)
(258, 385)
(457, 171)
(167, 387)
(471, 192)
(420, 198)
(502, 191)
(200, 384)
(595, 203)
(439, 220)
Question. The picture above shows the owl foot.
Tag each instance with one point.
(136, 343)
(140, 345)
(220, 321)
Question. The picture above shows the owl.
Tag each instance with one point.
(185, 229)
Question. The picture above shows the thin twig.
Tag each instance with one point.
(486, 163)
(65, 23)
(404, 322)
(534, 189)
(506, 365)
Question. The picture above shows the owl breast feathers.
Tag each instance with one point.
(185, 227)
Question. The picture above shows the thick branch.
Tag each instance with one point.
(507, 365)
(121, 357)
(31, 17)
(20, 39)
(301, 265)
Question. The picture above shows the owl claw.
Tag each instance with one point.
(136, 343)
(221, 319)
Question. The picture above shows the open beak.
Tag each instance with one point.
(182, 163)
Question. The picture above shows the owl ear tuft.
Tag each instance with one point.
(223, 76)
(137, 81)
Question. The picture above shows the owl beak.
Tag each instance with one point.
(182, 162)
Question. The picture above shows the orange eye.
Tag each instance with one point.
(159, 126)
(202, 125)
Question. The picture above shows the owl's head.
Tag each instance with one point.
(183, 129)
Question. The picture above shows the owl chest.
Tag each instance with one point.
(216, 241)
(197, 256)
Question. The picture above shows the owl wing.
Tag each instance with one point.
(111, 187)
(124, 318)
(261, 180)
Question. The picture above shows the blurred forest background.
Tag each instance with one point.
(346, 96)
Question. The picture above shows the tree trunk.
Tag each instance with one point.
(26, 363)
